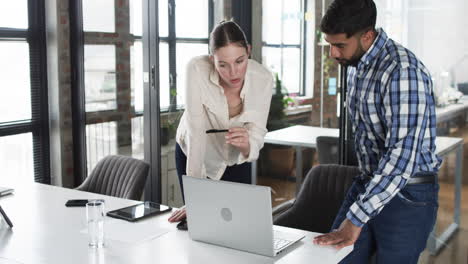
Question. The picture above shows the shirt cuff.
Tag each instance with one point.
(253, 153)
(243, 159)
(357, 216)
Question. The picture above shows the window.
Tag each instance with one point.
(283, 43)
(180, 40)
(109, 59)
(99, 62)
(24, 142)
(98, 16)
(113, 79)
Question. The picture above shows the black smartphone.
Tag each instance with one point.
(182, 225)
(139, 211)
(76, 203)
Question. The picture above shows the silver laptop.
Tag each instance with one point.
(233, 215)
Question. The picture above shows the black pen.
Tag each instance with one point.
(217, 131)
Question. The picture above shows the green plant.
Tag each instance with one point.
(279, 101)
(170, 120)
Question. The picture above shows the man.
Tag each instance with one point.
(392, 206)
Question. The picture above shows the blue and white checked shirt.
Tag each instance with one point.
(392, 110)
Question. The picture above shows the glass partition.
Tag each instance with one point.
(113, 78)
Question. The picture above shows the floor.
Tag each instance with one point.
(456, 250)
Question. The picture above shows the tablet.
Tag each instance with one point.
(139, 211)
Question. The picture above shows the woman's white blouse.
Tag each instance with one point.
(207, 108)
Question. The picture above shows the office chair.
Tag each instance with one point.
(327, 151)
(319, 199)
(117, 176)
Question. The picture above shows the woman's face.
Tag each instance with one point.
(231, 64)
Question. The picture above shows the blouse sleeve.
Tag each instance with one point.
(257, 127)
(195, 120)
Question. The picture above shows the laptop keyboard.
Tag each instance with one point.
(279, 243)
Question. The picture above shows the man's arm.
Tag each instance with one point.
(407, 116)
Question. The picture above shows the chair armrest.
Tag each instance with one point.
(282, 207)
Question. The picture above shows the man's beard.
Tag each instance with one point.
(354, 60)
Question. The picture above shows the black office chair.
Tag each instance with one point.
(327, 151)
(117, 176)
(319, 199)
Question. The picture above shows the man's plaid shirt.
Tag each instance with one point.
(392, 110)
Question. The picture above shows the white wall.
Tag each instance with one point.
(436, 31)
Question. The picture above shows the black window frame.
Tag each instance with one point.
(79, 114)
(38, 125)
(172, 41)
(78, 40)
(301, 46)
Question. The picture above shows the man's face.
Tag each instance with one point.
(347, 51)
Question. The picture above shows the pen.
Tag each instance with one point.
(216, 131)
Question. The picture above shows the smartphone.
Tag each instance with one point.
(182, 225)
(76, 203)
(139, 211)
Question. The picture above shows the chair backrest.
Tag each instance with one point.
(319, 199)
(327, 151)
(117, 176)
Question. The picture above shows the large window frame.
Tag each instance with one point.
(301, 46)
(38, 125)
(151, 76)
(79, 38)
(172, 40)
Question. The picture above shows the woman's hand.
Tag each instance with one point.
(239, 138)
(178, 215)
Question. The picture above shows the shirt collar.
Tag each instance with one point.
(376, 47)
(214, 77)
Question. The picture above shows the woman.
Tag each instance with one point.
(225, 91)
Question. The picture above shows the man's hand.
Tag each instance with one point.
(239, 138)
(345, 235)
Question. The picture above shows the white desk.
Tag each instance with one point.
(453, 110)
(47, 232)
(306, 136)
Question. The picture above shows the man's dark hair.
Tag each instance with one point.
(349, 17)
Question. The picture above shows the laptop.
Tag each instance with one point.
(233, 215)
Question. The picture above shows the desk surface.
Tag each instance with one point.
(301, 136)
(306, 136)
(448, 112)
(45, 231)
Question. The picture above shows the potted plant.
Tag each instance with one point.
(277, 161)
(279, 101)
(170, 121)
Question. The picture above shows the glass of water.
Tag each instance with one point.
(95, 212)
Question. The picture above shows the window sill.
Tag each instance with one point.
(300, 109)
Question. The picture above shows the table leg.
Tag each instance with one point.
(458, 183)
(434, 243)
(254, 172)
(298, 168)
